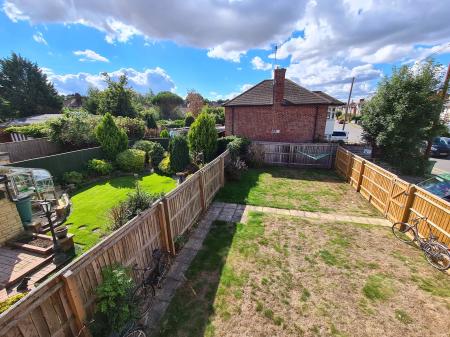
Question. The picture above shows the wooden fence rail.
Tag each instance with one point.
(61, 305)
(28, 149)
(394, 197)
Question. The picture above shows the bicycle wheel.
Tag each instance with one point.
(403, 232)
(164, 266)
(143, 297)
(136, 332)
(438, 256)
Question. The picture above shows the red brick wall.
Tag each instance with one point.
(296, 123)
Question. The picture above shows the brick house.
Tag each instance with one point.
(278, 110)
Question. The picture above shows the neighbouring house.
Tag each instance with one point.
(355, 108)
(278, 110)
(17, 137)
(331, 114)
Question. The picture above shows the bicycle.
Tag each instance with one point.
(152, 277)
(130, 330)
(436, 253)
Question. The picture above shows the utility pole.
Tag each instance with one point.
(447, 78)
(348, 103)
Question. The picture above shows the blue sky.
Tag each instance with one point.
(220, 48)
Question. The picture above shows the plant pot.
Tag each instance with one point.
(61, 232)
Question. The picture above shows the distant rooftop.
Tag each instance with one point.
(29, 120)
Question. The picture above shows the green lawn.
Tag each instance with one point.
(90, 206)
(311, 190)
(288, 276)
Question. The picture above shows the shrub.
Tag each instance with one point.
(73, 177)
(131, 160)
(74, 129)
(119, 215)
(139, 201)
(218, 113)
(223, 142)
(164, 134)
(171, 123)
(4, 305)
(164, 166)
(37, 130)
(134, 127)
(189, 120)
(149, 118)
(203, 136)
(112, 139)
(154, 151)
(100, 167)
(239, 148)
(179, 153)
(234, 170)
(114, 308)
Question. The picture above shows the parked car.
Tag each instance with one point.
(337, 136)
(440, 147)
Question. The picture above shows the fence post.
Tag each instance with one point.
(408, 203)
(201, 186)
(75, 303)
(168, 226)
(361, 175)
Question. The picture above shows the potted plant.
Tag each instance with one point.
(61, 232)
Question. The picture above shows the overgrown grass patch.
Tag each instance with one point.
(251, 280)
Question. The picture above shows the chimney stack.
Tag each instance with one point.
(278, 85)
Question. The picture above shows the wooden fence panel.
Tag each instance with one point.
(394, 197)
(319, 155)
(342, 161)
(61, 305)
(184, 205)
(212, 179)
(45, 312)
(437, 212)
(28, 149)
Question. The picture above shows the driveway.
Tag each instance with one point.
(442, 165)
(354, 131)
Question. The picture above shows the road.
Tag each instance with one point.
(442, 165)
(354, 131)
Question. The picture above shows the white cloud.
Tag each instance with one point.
(225, 28)
(216, 96)
(39, 38)
(90, 55)
(259, 64)
(221, 52)
(142, 81)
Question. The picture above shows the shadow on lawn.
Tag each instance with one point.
(192, 308)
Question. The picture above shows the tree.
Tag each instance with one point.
(74, 129)
(116, 98)
(149, 118)
(189, 120)
(217, 111)
(194, 102)
(26, 88)
(179, 153)
(112, 139)
(92, 101)
(202, 136)
(167, 102)
(403, 114)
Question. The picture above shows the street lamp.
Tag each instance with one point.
(58, 257)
